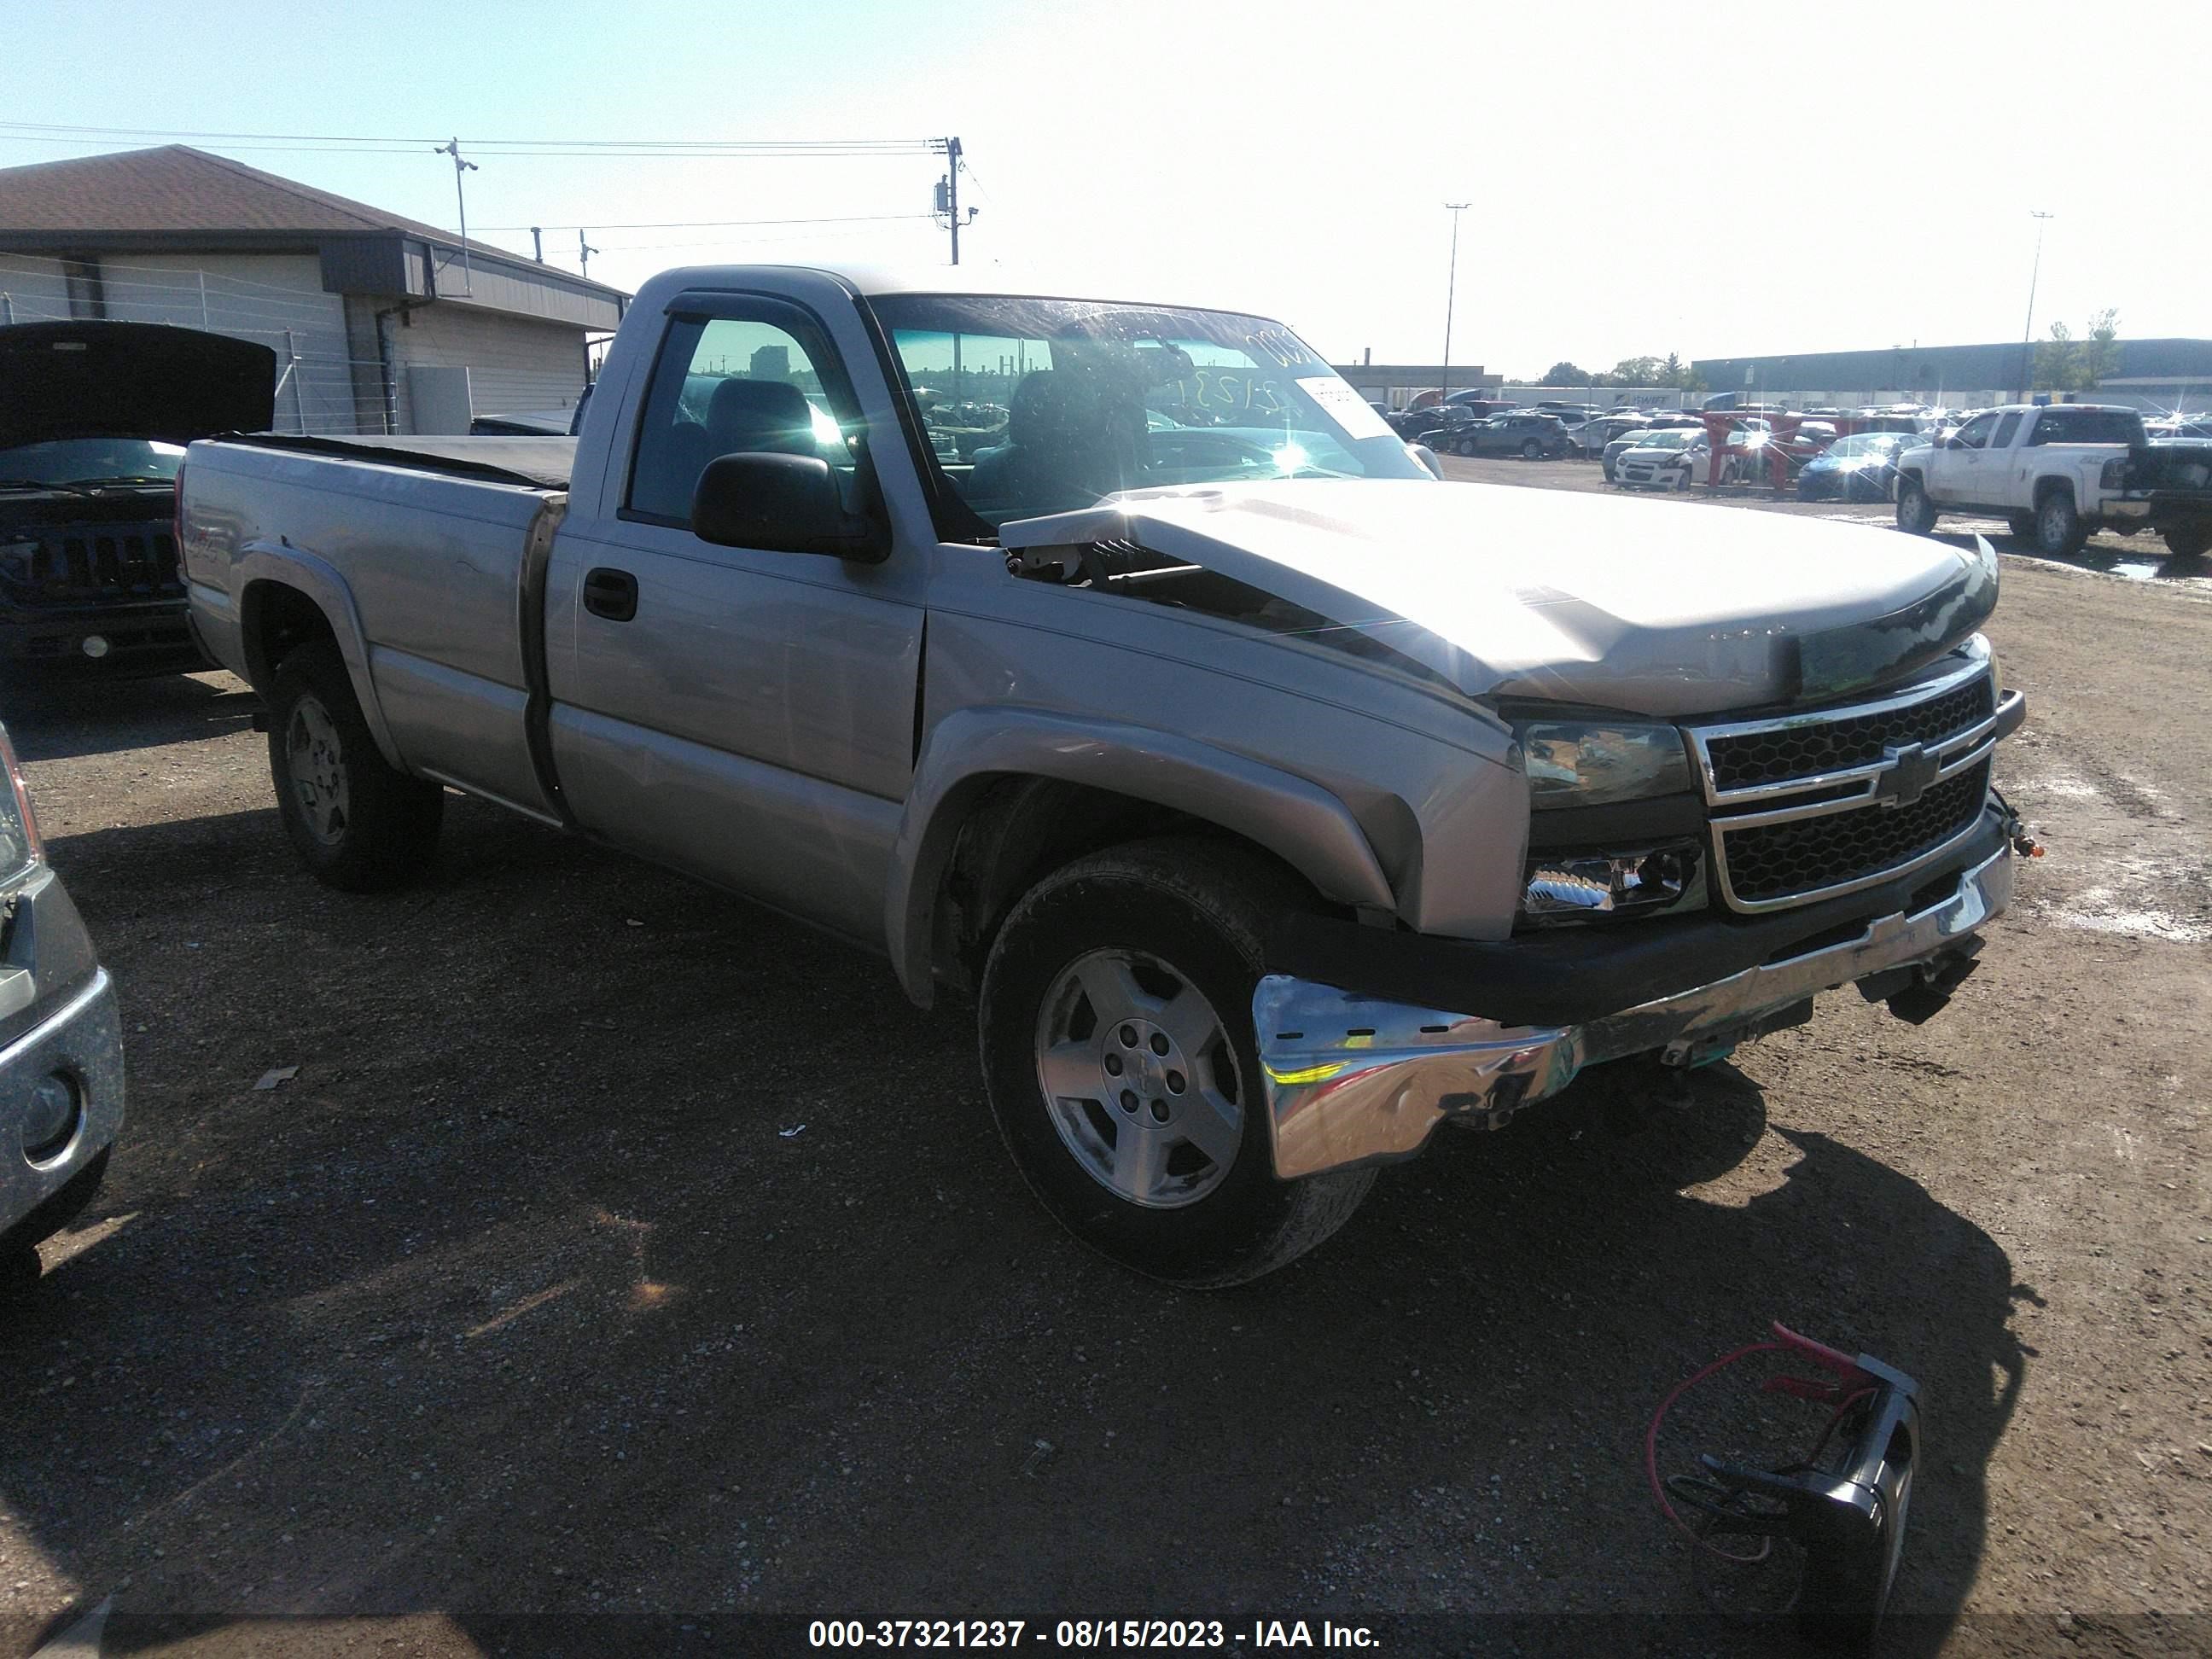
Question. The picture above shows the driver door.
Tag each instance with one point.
(744, 715)
(1956, 471)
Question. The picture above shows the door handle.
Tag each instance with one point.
(610, 593)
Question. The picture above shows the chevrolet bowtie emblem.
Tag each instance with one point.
(1912, 771)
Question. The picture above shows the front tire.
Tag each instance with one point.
(2059, 531)
(358, 822)
(1916, 514)
(1531, 450)
(1115, 1021)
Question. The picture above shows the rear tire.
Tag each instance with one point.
(1125, 979)
(1916, 514)
(2060, 532)
(2188, 541)
(358, 822)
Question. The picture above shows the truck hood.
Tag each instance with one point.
(1562, 597)
(99, 380)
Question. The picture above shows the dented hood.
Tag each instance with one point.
(1662, 609)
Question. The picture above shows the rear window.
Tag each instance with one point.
(2088, 426)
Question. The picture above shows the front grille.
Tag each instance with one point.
(1788, 830)
(1777, 860)
(1805, 751)
(87, 564)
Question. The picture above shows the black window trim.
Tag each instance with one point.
(703, 305)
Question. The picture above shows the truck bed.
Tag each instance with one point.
(542, 463)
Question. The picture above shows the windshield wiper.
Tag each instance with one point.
(36, 483)
(125, 478)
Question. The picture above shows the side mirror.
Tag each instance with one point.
(1953, 443)
(1427, 457)
(782, 503)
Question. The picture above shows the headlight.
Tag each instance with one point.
(1578, 765)
(19, 830)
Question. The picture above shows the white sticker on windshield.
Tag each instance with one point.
(1345, 407)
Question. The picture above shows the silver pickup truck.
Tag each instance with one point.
(1111, 665)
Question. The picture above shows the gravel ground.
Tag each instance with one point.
(619, 1249)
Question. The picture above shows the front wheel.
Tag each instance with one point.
(359, 822)
(1916, 514)
(1464, 446)
(2059, 531)
(1115, 1021)
(1531, 450)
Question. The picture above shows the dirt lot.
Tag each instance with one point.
(620, 1251)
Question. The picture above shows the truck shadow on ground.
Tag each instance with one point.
(86, 714)
(620, 1250)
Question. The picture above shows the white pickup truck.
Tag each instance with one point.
(2055, 472)
(1112, 666)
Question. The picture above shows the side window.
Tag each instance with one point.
(2006, 428)
(732, 385)
(1975, 435)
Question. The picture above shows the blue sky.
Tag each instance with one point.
(1644, 178)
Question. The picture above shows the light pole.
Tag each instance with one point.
(2027, 329)
(1451, 290)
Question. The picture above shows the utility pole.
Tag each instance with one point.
(948, 192)
(1451, 292)
(460, 201)
(2027, 329)
(584, 253)
(537, 244)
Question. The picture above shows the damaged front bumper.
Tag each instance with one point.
(1353, 1080)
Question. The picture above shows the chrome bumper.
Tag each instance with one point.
(1351, 1081)
(83, 1038)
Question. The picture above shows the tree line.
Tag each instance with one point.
(1668, 372)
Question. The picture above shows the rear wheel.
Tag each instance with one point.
(1118, 1053)
(1464, 446)
(2188, 541)
(2059, 531)
(359, 822)
(1915, 512)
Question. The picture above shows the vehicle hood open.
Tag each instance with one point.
(1562, 597)
(101, 380)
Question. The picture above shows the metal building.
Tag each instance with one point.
(2163, 374)
(379, 322)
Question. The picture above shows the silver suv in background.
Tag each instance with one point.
(61, 1046)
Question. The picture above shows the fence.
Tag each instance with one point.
(322, 385)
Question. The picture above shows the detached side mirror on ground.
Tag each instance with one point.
(784, 503)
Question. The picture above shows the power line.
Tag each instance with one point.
(56, 131)
(715, 224)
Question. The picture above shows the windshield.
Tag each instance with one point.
(1051, 404)
(92, 460)
(1867, 443)
(1672, 437)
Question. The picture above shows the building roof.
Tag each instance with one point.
(177, 189)
(181, 199)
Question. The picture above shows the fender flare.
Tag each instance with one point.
(319, 581)
(1299, 822)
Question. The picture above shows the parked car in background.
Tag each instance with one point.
(1860, 468)
(61, 1046)
(1672, 457)
(2046, 470)
(1532, 436)
(2179, 426)
(1592, 436)
(93, 418)
(1414, 425)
